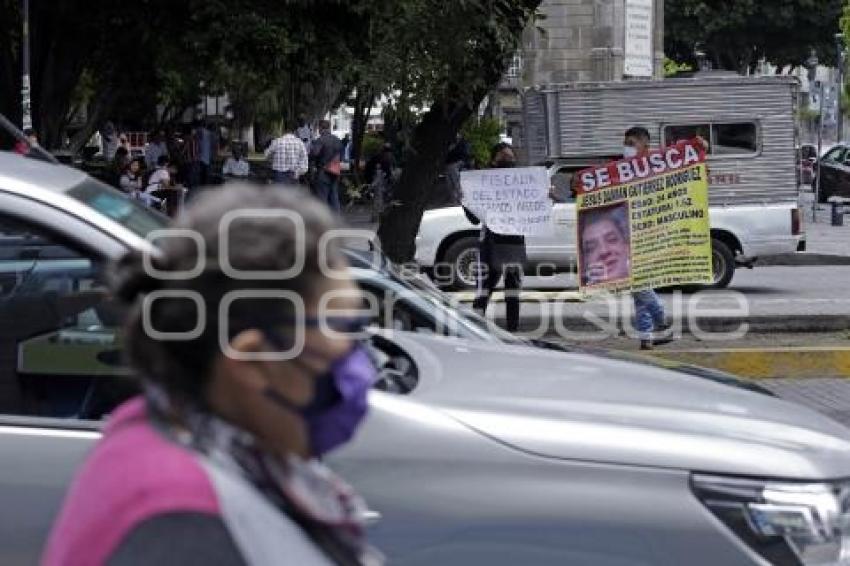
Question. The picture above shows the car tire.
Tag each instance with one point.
(722, 264)
(460, 257)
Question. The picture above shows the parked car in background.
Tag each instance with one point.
(835, 173)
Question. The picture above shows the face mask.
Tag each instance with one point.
(339, 401)
(629, 151)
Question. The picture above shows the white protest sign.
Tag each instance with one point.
(512, 201)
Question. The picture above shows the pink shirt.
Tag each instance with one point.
(133, 474)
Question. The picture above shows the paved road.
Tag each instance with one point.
(804, 290)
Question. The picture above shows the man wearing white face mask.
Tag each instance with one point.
(649, 312)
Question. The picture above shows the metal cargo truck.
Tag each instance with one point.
(750, 127)
(749, 123)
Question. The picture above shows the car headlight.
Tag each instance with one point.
(785, 522)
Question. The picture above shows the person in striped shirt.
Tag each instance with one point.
(288, 157)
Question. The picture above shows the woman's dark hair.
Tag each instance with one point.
(255, 243)
(640, 133)
(162, 160)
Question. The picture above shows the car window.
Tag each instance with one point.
(724, 139)
(391, 311)
(130, 213)
(61, 352)
(835, 155)
(674, 134)
(734, 139)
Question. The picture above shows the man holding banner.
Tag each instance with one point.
(510, 205)
(643, 223)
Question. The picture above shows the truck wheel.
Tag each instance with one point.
(460, 261)
(722, 264)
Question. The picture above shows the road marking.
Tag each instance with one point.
(769, 363)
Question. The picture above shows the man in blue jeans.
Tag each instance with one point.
(649, 311)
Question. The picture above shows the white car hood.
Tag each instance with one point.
(585, 407)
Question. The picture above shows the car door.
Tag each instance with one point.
(60, 369)
(830, 168)
(558, 249)
(842, 176)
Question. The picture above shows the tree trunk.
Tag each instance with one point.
(427, 156)
(362, 110)
(102, 106)
(10, 95)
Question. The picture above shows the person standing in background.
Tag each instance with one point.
(236, 165)
(500, 255)
(206, 152)
(109, 137)
(649, 311)
(326, 154)
(288, 157)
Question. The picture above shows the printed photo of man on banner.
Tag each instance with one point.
(643, 221)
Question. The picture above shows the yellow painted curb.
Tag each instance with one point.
(525, 296)
(769, 363)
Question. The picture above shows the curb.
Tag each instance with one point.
(535, 296)
(804, 259)
(768, 363)
(710, 325)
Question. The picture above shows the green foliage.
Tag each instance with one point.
(736, 34)
(372, 144)
(482, 135)
(806, 114)
(672, 68)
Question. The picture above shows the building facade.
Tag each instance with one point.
(592, 40)
(582, 41)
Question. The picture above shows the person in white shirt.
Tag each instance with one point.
(236, 165)
(159, 179)
(288, 158)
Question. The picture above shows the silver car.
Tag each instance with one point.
(476, 451)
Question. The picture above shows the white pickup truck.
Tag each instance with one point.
(753, 192)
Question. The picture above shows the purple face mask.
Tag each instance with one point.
(339, 402)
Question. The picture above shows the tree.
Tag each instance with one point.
(736, 34)
(446, 57)
(160, 54)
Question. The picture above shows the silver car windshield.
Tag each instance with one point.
(131, 214)
(467, 315)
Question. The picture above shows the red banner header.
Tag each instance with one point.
(656, 162)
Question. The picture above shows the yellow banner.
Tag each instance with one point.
(653, 231)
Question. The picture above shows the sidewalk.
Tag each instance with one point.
(825, 244)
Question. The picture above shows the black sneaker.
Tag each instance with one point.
(661, 340)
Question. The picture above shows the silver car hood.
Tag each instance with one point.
(583, 407)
